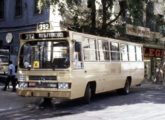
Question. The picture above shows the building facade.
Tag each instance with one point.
(19, 16)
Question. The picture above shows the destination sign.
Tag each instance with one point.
(45, 35)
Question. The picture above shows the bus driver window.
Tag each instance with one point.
(77, 58)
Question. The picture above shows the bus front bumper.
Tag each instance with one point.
(49, 94)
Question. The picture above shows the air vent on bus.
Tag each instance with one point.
(42, 78)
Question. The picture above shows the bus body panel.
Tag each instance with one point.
(62, 76)
(108, 75)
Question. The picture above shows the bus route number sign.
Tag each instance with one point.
(43, 26)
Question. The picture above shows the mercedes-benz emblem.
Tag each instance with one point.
(42, 79)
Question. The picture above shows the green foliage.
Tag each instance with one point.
(46, 3)
(135, 8)
(80, 18)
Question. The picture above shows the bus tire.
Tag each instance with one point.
(126, 89)
(88, 94)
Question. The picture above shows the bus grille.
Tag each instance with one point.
(42, 78)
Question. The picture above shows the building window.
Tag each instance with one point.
(2, 4)
(18, 8)
(36, 10)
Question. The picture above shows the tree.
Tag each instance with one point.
(106, 4)
(98, 21)
(92, 6)
(107, 13)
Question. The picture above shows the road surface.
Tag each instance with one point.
(146, 102)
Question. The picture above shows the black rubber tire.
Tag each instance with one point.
(126, 89)
(88, 94)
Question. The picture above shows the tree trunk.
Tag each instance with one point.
(104, 19)
(92, 6)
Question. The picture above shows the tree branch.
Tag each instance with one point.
(120, 13)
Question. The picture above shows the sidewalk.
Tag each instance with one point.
(151, 85)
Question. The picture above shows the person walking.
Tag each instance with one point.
(11, 77)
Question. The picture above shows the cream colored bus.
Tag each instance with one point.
(70, 65)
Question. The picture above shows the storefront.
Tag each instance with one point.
(152, 47)
(152, 59)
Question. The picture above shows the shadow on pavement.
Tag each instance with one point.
(139, 95)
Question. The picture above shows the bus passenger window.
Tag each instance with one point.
(89, 48)
(139, 53)
(103, 50)
(124, 52)
(132, 54)
(115, 54)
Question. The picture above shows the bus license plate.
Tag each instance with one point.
(32, 84)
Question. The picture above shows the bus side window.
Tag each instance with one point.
(139, 53)
(132, 55)
(115, 53)
(77, 56)
(124, 52)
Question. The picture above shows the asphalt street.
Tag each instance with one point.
(146, 102)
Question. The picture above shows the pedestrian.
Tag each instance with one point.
(11, 77)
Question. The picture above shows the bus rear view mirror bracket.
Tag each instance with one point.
(29, 67)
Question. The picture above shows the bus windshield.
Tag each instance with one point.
(44, 55)
(4, 59)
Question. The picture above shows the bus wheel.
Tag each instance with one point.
(88, 94)
(126, 89)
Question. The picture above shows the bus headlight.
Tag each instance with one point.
(22, 77)
(63, 85)
(23, 85)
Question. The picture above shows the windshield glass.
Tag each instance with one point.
(4, 59)
(44, 54)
